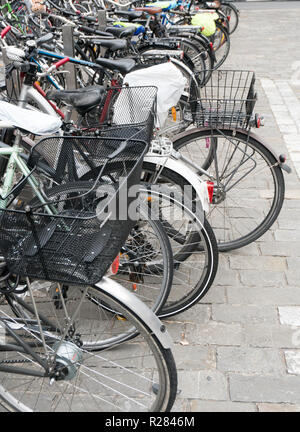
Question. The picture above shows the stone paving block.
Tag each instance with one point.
(203, 385)
(263, 295)
(262, 278)
(289, 315)
(257, 263)
(215, 294)
(195, 357)
(280, 248)
(292, 204)
(287, 235)
(250, 360)
(292, 359)
(245, 314)
(199, 312)
(265, 407)
(181, 405)
(269, 336)
(220, 406)
(251, 249)
(293, 277)
(226, 277)
(214, 334)
(176, 330)
(283, 389)
(293, 263)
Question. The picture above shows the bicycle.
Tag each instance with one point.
(57, 349)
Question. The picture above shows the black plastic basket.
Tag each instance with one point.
(226, 101)
(77, 243)
(127, 111)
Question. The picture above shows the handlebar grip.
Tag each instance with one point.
(5, 31)
(62, 62)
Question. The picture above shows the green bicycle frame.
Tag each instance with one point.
(10, 13)
(15, 161)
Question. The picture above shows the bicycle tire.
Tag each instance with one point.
(221, 45)
(197, 139)
(195, 259)
(231, 10)
(101, 378)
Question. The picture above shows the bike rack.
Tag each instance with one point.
(69, 51)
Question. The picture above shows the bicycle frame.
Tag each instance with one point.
(16, 161)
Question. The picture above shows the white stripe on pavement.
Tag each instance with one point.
(286, 109)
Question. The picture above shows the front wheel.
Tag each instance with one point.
(138, 375)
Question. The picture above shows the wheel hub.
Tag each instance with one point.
(219, 195)
(68, 360)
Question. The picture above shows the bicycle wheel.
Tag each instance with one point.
(221, 44)
(146, 265)
(139, 376)
(195, 252)
(249, 184)
(232, 13)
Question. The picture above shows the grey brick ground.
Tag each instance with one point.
(239, 349)
(253, 330)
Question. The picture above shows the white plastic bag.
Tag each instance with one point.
(170, 85)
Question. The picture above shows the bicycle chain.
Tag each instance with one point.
(15, 361)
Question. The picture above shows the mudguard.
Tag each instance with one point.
(245, 133)
(191, 177)
(137, 307)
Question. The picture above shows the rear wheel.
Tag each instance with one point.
(248, 183)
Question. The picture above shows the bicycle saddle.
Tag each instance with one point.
(112, 45)
(121, 32)
(123, 65)
(82, 99)
(131, 15)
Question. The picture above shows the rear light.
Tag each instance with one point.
(115, 265)
(211, 45)
(229, 18)
(210, 190)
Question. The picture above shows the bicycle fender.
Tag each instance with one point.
(191, 177)
(137, 307)
(42, 103)
(253, 135)
(282, 165)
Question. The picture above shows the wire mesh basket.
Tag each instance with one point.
(226, 101)
(75, 236)
(130, 111)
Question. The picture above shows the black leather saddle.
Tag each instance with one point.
(122, 65)
(82, 99)
(112, 45)
(121, 32)
(130, 15)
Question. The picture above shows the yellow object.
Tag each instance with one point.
(206, 20)
(174, 114)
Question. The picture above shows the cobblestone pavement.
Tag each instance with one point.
(239, 350)
(244, 339)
